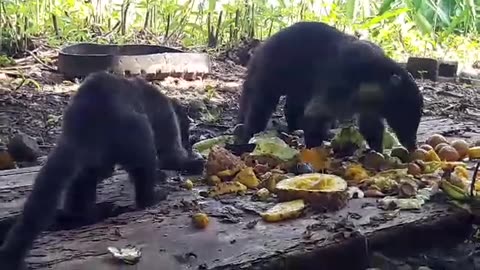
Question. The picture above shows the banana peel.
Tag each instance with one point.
(432, 156)
(204, 147)
(433, 166)
(453, 191)
(284, 210)
(474, 152)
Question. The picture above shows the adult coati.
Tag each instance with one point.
(110, 120)
(320, 68)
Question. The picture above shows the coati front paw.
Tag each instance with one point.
(195, 165)
(66, 219)
(152, 199)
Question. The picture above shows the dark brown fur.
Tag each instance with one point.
(111, 120)
(315, 65)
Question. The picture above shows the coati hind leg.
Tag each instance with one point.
(40, 207)
(135, 152)
(80, 197)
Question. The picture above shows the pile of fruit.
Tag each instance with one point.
(325, 177)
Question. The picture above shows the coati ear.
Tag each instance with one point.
(395, 80)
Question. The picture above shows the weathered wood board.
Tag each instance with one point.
(232, 241)
(167, 237)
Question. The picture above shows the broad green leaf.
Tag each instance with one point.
(439, 12)
(386, 4)
(211, 5)
(351, 9)
(423, 23)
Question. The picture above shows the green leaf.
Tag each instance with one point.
(423, 23)
(444, 18)
(211, 5)
(385, 16)
(386, 4)
(351, 9)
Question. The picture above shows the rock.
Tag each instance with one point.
(448, 69)
(196, 108)
(6, 160)
(470, 76)
(23, 148)
(424, 268)
(303, 168)
(426, 68)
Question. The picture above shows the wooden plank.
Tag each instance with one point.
(166, 237)
(166, 234)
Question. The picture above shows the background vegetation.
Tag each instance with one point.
(440, 28)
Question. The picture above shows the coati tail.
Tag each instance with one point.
(40, 206)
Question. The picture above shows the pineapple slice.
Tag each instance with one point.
(284, 210)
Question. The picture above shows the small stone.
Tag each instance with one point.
(23, 148)
(298, 133)
(424, 268)
(303, 168)
(196, 107)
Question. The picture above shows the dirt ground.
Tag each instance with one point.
(33, 97)
(32, 100)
